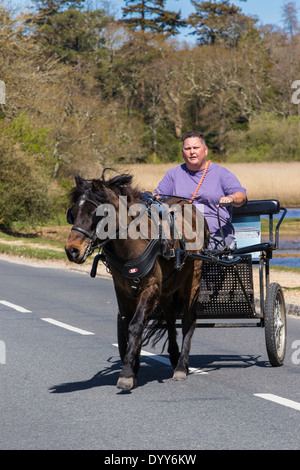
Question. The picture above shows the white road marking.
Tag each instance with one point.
(67, 327)
(281, 401)
(15, 307)
(164, 360)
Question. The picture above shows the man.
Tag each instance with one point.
(205, 184)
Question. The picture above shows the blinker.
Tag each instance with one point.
(69, 216)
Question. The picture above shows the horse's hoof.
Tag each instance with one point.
(126, 383)
(179, 375)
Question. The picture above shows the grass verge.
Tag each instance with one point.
(50, 246)
(285, 268)
(34, 253)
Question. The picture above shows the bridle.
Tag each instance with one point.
(95, 242)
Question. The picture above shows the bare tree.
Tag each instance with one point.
(290, 19)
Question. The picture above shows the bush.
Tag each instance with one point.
(33, 141)
(268, 138)
(26, 192)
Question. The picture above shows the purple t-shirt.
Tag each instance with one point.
(218, 182)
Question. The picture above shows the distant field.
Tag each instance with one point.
(262, 180)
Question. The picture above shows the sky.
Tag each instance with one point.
(267, 11)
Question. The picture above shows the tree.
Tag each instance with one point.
(290, 19)
(220, 22)
(151, 15)
(224, 88)
(48, 8)
(70, 32)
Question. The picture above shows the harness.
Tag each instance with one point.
(137, 268)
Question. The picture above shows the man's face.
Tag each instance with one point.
(194, 153)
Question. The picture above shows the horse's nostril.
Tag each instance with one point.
(72, 253)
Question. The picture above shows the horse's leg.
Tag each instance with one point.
(188, 328)
(173, 349)
(128, 375)
(169, 308)
(188, 323)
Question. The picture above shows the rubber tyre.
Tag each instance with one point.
(122, 336)
(275, 325)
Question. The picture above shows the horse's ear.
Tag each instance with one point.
(78, 180)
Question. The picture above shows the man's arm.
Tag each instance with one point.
(236, 199)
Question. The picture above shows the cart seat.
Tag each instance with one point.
(260, 207)
(247, 225)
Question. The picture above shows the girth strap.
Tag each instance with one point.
(138, 267)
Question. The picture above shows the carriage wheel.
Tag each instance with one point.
(275, 325)
(122, 336)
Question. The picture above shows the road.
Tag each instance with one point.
(58, 385)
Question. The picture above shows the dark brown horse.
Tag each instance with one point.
(148, 275)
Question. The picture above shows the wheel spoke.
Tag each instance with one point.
(275, 325)
(278, 325)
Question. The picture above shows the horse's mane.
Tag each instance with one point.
(121, 184)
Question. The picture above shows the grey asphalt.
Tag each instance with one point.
(58, 387)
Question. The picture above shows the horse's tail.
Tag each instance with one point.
(156, 329)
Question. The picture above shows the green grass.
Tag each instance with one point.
(288, 226)
(42, 251)
(57, 220)
(32, 241)
(29, 252)
(285, 268)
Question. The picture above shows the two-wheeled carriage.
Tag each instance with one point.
(227, 297)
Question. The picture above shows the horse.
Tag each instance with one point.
(149, 274)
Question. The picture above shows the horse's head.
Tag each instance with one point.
(86, 197)
(82, 238)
